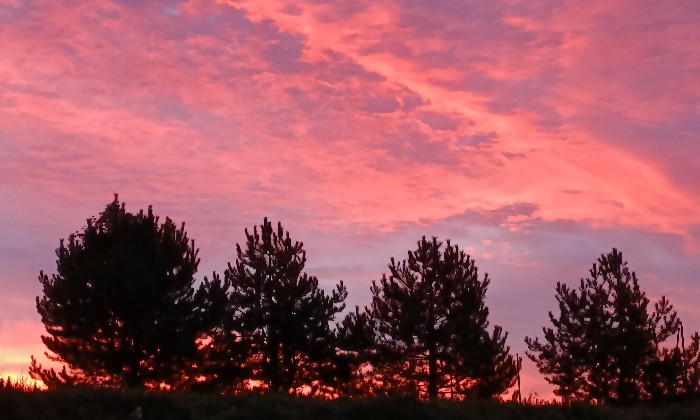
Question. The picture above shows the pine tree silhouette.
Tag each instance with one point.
(432, 326)
(605, 343)
(122, 309)
(277, 314)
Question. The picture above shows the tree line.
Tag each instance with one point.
(124, 310)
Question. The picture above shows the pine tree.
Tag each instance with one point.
(122, 309)
(605, 343)
(278, 314)
(689, 378)
(432, 326)
(354, 355)
(224, 366)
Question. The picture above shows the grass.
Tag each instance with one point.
(22, 402)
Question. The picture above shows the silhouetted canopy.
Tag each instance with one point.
(122, 309)
(432, 327)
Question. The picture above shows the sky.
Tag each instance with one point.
(535, 135)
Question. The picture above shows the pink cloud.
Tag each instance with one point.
(134, 123)
(547, 162)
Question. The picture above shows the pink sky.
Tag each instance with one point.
(536, 135)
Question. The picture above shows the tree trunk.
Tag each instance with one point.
(432, 372)
(432, 356)
(273, 365)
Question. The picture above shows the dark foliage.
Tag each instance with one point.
(606, 343)
(355, 353)
(690, 372)
(17, 385)
(122, 310)
(278, 320)
(675, 374)
(432, 327)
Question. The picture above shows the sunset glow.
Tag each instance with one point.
(536, 135)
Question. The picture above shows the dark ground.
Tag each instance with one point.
(77, 404)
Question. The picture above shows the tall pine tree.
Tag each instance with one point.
(605, 344)
(122, 309)
(432, 326)
(278, 316)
